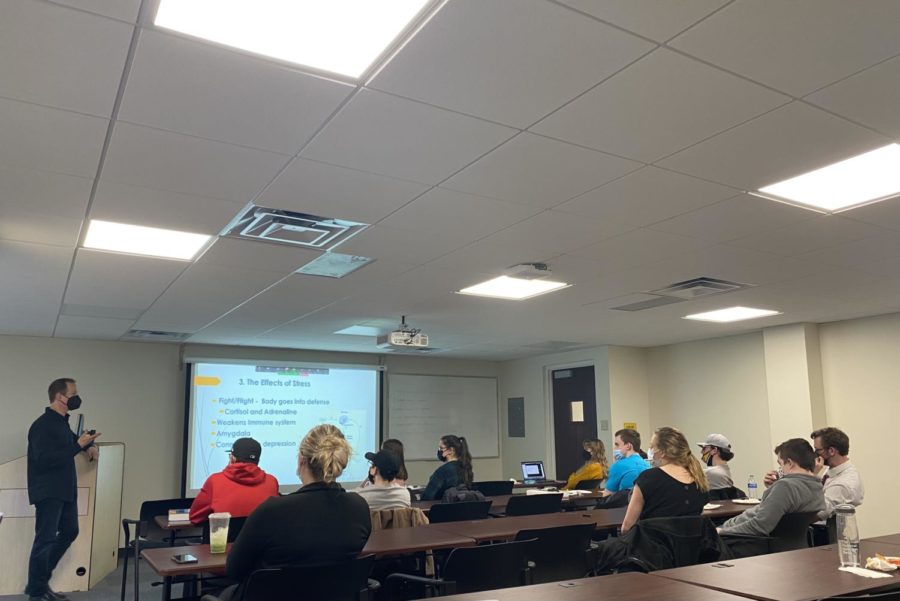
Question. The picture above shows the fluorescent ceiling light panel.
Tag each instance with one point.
(863, 179)
(732, 314)
(339, 36)
(513, 288)
(360, 331)
(140, 240)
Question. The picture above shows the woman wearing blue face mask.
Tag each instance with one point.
(453, 451)
(630, 461)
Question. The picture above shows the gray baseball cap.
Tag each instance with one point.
(716, 440)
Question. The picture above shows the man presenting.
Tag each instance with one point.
(52, 486)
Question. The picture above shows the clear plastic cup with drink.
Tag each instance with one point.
(218, 532)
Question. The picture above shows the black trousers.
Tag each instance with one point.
(55, 528)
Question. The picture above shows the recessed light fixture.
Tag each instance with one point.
(513, 288)
(863, 179)
(338, 36)
(732, 314)
(141, 240)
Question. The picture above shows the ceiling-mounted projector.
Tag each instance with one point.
(403, 338)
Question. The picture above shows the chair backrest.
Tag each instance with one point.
(533, 504)
(339, 581)
(234, 528)
(148, 528)
(617, 499)
(458, 512)
(494, 488)
(791, 532)
(487, 567)
(591, 485)
(726, 494)
(558, 553)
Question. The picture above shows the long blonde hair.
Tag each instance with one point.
(326, 451)
(598, 453)
(672, 445)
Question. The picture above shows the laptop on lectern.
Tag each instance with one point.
(533, 472)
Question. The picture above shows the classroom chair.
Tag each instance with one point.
(533, 504)
(591, 485)
(459, 512)
(726, 494)
(472, 569)
(494, 488)
(560, 553)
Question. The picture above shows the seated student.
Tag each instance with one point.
(318, 523)
(716, 453)
(595, 465)
(677, 485)
(842, 483)
(384, 492)
(396, 447)
(457, 468)
(629, 462)
(239, 488)
(797, 491)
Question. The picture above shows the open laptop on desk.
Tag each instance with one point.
(533, 472)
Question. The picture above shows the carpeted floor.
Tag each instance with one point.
(110, 588)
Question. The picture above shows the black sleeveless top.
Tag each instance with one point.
(665, 497)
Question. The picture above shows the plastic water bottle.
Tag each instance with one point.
(751, 487)
(847, 535)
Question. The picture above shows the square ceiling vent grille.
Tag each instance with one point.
(294, 229)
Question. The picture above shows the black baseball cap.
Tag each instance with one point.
(246, 449)
(388, 463)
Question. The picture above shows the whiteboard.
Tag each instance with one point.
(421, 409)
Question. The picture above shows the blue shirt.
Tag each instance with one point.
(623, 472)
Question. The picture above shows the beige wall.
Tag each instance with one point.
(861, 376)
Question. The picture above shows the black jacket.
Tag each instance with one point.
(52, 447)
(318, 523)
(446, 476)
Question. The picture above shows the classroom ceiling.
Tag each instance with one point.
(614, 140)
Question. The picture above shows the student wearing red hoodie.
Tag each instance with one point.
(239, 488)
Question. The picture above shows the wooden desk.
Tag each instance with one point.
(507, 528)
(556, 483)
(500, 501)
(161, 562)
(616, 587)
(887, 539)
(163, 522)
(412, 540)
(728, 509)
(801, 575)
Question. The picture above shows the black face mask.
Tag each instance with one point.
(73, 402)
(585, 455)
(440, 455)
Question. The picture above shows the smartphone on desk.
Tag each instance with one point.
(186, 558)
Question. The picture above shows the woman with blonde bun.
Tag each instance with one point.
(320, 522)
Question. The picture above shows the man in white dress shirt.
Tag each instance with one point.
(842, 482)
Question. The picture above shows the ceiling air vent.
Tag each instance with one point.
(698, 288)
(295, 229)
(650, 301)
(155, 335)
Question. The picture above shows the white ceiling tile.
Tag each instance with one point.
(124, 10)
(36, 137)
(252, 254)
(646, 196)
(93, 328)
(870, 97)
(202, 294)
(656, 19)
(405, 246)
(885, 213)
(58, 57)
(117, 280)
(151, 158)
(41, 206)
(796, 46)
(440, 209)
(487, 258)
(330, 191)
(534, 170)
(481, 58)
(637, 247)
(193, 88)
(788, 141)
(121, 203)
(388, 135)
(552, 233)
(736, 217)
(806, 236)
(662, 103)
(859, 253)
(31, 304)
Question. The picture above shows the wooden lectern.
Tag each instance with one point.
(94, 553)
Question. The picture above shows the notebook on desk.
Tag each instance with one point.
(533, 472)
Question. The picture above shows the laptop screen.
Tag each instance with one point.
(533, 470)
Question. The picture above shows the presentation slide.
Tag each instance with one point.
(277, 405)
